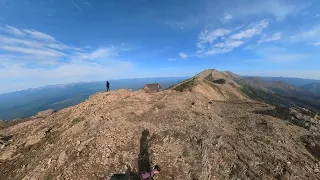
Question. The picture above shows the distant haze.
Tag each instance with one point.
(29, 102)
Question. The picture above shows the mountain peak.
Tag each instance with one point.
(113, 130)
(213, 84)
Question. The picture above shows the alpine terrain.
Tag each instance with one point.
(216, 125)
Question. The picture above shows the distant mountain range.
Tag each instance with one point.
(314, 87)
(306, 84)
(29, 102)
(273, 90)
(291, 81)
(278, 92)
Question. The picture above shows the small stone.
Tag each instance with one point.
(220, 142)
(62, 158)
(49, 162)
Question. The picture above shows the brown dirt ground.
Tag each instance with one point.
(190, 136)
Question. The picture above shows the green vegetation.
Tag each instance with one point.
(185, 85)
(216, 81)
(260, 95)
(209, 78)
(219, 81)
(77, 120)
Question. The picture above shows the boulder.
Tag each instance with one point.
(45, 113)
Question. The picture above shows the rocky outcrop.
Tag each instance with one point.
(46, 113)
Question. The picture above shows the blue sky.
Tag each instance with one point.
(63, 41)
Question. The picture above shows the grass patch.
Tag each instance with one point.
(219, 81)
(216, 81)
(185, 86)
(259, 95)
(77, 120)
(186, 153)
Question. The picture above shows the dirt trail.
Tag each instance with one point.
(187, 134)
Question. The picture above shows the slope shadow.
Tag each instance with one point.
(312, 144)
(278, 112)
(144, 161)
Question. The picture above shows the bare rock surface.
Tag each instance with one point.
(189, 135)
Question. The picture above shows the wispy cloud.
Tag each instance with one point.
(252, 31)
(183, 24)
(223, 40)
(274, 37)
(99, 54)
(317, 44)
(171, 59)
(207, 37)
(41, 52)
(39, 35)
(224, 47)
(227, 17)
(11, 30)
(76, 5)
(309, 36)
(38, 59)
(183, 55)
(278, 9)
(35, 43)
(276, 54)
(318, 15)
(25, 44)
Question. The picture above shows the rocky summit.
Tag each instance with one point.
(204, 128)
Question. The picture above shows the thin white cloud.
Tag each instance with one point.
(222, 40)
(207, 37)
(210, 36)
(12, 30)
(182, 24)
(227, 17)
(101, 53)
(76, 5)
(272, 38)
(224, 47)
(32, 47)
(171, 59)
(183, 55)
(36, 52)
(317, 44)
(278, 55)
(4, 39)
(66, 63)
(39, 35)
(278, 9)
(309, 36)
(318, 15)
(7, 60)
(254, 30)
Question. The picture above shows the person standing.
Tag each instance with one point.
(108, 86)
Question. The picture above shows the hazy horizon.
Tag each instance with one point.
(47, 85)
(56, 42)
